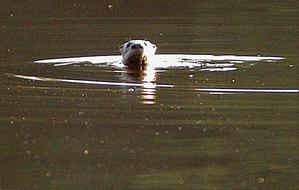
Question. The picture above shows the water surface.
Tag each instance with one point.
(221, 113)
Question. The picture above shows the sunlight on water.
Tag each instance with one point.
(238, 91)
(146, 80)
(46, 79)
(149, 87)
(164, 61)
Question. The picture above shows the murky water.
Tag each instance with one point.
(218, 110)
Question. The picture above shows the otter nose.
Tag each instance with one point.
(137, 46)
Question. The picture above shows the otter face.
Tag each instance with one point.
(136, 53)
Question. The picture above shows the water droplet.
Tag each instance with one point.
(86, 152)
(181, 181)
(261, 180)
(48, 174)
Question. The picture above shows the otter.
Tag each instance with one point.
(136, 54)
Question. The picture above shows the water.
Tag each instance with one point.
(218, 110)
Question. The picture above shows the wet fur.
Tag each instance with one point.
(137, 58)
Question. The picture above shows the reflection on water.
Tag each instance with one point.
(148, 94)
(164, 61)
(148, 88)
(246, 91)
(146, 78)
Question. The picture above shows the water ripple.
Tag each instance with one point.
(149, 85)
(164, 61)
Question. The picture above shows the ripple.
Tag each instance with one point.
(92, 82)
(149, 86)
(247, 90)
(164, 61)
(146, 80)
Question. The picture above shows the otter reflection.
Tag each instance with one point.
(146, 75)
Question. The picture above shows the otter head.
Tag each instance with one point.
(136, 53)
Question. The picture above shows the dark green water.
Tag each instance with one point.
(57, 135)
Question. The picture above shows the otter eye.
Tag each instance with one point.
(129, 44)
(154, 46)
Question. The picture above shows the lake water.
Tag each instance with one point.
(219, 110)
